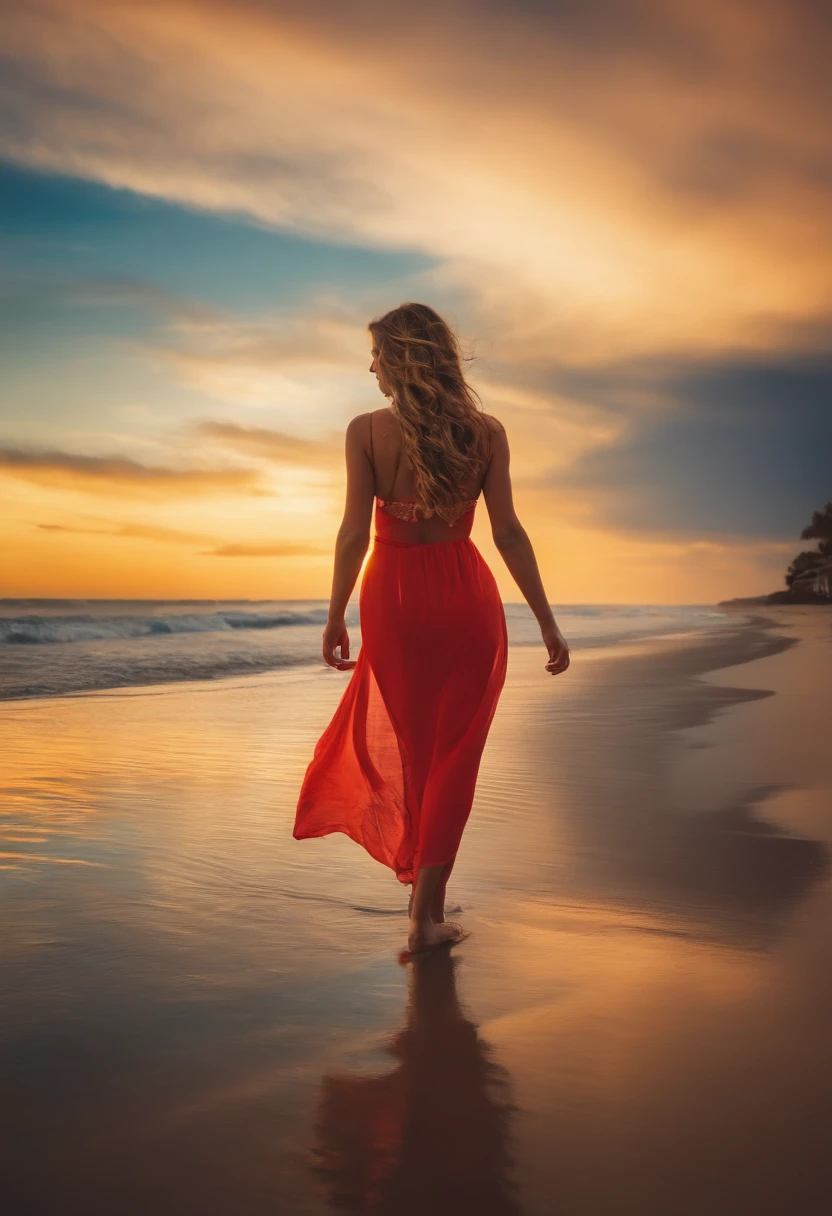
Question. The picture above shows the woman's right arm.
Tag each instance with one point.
(352, 542)
(516, 550)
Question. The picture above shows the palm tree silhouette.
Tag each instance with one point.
(810, 560)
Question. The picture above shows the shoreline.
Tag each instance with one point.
(587, 648)
(59, 655)
(775, 599)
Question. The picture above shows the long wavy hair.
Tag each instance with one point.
(444, 431)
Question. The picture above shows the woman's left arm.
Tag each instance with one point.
(352, 541)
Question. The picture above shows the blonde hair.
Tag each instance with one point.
(444, 431)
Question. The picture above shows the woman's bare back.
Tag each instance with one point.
(394, 477)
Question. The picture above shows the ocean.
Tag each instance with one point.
(61, 647)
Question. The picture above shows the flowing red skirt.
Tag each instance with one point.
(397, 766)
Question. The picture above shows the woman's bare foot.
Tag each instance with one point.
(428, 936)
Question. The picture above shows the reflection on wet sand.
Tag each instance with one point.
(607, 830)
(727, 873)
(433, 1134)
(646, 875)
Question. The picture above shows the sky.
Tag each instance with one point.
(621, 206)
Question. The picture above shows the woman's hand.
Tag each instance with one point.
(336, 637)
(555, 643)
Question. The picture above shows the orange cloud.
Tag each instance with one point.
(119, 475)
(274, 445)
(175, 536)
(138, 531)
(268, 550)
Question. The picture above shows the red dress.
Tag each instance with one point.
(397, 766)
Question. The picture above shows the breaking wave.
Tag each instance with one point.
(37, 630)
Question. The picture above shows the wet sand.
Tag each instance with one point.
(200, 1013)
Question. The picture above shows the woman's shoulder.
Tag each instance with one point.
(373, 431)
(497, 438)
(494, 425)
(362, 425)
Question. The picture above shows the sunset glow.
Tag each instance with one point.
(623, 211)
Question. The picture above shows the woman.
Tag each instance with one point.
(397, 766)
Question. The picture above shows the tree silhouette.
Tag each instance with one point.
(820, 529)
(810, 559)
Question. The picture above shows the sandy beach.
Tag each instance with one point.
(200, 1013)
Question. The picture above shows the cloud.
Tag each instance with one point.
(33, 291)
(739, 448)
(122, 476)
(313, 339)
(291, 361)
(268, 550)
(134, 531)
(274, 445)
(609, 179)
(191, 539)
